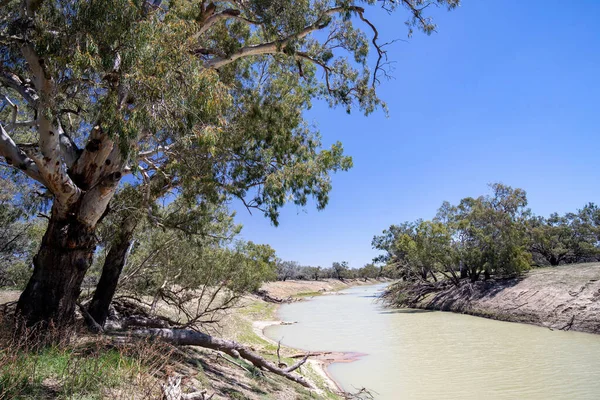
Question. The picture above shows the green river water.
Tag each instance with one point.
(413, 354)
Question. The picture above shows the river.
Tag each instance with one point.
(414, 354)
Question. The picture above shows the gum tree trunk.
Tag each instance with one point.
(111, 271)
(66, 253)
(64, 257)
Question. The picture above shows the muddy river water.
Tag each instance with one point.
(413, 354)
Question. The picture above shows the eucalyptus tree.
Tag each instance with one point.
(340, 270)
(368, 271)
(484, 235)
(206, 97)
(393, 255)
(568, 238)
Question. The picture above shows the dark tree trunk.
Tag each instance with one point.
(60, 265)
(464, 273)
(111, 271)
(433, 276)
(554, 261)
(474, 274)
(486, 275)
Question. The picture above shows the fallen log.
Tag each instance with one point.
(263, 294)
(188, 337)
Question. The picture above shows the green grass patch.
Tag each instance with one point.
(95, 372)
(307, 294)
(259, 310)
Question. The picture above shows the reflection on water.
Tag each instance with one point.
(415, 354)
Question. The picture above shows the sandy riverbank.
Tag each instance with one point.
(564, 297)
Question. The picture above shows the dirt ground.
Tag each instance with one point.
(565, 297)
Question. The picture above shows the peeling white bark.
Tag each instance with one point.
(17, 157)
(91, 162)
(96, 200)
(50, 163)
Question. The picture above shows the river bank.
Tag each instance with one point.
(562, 298)
(246, 324)
(198, 367)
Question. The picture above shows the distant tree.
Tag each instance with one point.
(340, 269)
(313, 273)
(429, 251)
(369, 271)
(287, 270)
(569, 238)
(386, 242)
(491, 234)
(485, 235)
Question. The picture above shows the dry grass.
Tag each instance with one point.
(81, 367)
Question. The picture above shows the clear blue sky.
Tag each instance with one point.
(505, 91)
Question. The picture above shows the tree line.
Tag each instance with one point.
(338, 270)
(494, 235)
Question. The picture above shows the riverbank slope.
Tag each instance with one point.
(220, 375)
(565, 297)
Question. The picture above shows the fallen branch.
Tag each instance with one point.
(263, 294)
(135, 322)
(311, 354)
(188, 337)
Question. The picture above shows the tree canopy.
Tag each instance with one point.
(494, 235)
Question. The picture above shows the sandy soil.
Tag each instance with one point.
(565, 297)
(292, 288)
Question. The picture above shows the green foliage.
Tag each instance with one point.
(189, 259)
(570, 238)
(479, 235)
(20, 232)
(144, 75)
(340, 269)
(369, 271)
(202, 102)
(491, 234)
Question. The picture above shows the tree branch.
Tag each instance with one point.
(229, 13)
(276, 46)
(28, 93)
(97, 198)
(17, 158)
(50, 165)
